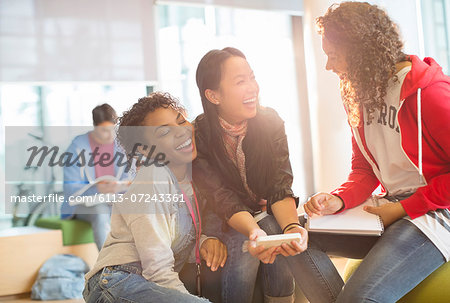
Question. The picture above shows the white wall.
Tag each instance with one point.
(404, 13)
(331, 135)
(330, 131)
(291, 6)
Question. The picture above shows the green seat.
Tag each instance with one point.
(435, 288)
(73, 231)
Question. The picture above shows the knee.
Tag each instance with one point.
(246, 263)
(242, 268)
(235, 242)
(278, 280)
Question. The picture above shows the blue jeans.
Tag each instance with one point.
(240, 270)
(100, 218)
(393, 265)
(124, 283)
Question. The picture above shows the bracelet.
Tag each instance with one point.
(290, 226)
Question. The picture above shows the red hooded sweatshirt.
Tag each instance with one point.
(425, 85)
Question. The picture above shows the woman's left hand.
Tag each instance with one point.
(389, 212)
(294, 248)
(214, 253)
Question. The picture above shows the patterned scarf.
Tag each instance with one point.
(233, 135)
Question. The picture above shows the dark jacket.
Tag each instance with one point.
(218, 178)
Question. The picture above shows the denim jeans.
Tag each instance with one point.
(124, 283)
(100, 218)
(393, 265)
(240, 270)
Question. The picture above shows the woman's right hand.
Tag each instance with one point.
(323, 204)
(264, 255)
(294, 248)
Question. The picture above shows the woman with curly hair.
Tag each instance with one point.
(399, 109)
(156, 226)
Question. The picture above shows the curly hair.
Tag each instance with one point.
(372, 46)
(135, 116)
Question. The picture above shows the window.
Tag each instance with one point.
(436, 16)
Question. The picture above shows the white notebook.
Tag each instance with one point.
(355, 221)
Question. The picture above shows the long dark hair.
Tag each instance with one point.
(256, 145)
(372, 44)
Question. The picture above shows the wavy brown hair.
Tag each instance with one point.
(372, 46)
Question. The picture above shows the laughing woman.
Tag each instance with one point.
(243, 168)
(399, 109)
(151, 239)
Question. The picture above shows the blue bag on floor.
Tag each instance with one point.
(60, 277)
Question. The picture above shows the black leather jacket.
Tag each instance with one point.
(219, 181)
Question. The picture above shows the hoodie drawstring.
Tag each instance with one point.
(419, 133)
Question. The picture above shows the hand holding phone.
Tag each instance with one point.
(277, 240)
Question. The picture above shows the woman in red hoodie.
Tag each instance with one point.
(399, 110)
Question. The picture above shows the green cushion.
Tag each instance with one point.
(73, 231)
(435, 288)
